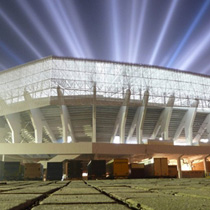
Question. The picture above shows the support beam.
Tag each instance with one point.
(37, 124)
(121, 119)
(38, 121)
(164, 120)
(205, 164)
(187, 123)
(65, 118)
(179, 167)
(205, 126)
(138, 121)
(94, 114)
(14, 123)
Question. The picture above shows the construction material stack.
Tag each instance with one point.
(97, 169)
(117, 168)
(33, 171)
(54, 170)
(157, 168)
(74, 169)
(136, 170)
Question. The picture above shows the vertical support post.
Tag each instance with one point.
(65, 118)
(94, 114)
(14, 123)
(3, 158)
(205, 165)
(141, 118)
(164, 120)
(179, 167)
(121, 119)
(187, 123)
(37, 124)
(138, 120)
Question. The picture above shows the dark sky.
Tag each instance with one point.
(169, 33)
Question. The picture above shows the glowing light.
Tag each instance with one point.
(163, 31)
(116, 33)
(161, 139)
(186, 167)
(140, 30)
(46, 36)
(204, 140)
(200, 47)
(189, 32)
(70, 29)
(62, 29)
(69, 139)
(116, 140)
(10, 53)
(71, 9)
(84, 174)
(19, 33)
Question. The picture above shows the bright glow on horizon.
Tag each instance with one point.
(116, 140)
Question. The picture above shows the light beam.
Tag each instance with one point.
(189, 32)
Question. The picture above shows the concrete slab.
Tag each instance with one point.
(77, 191)
(113, 206)
(56, 199)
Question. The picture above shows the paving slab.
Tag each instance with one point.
(56, 199)
(82, 207)
(32, 190)
(10, 201)
(168, 202)
(70, 191)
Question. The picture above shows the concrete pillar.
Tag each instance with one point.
(121, 119)
(164, 120)
(205, 165)
(138, 120)
(187, 123)
(94, 114)
(179, 167)
(14, 123)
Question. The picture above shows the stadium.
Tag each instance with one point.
(57, 107)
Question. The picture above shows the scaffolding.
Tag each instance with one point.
(77, 77)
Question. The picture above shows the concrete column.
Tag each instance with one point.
(65, 118)
(14, 123)
(94, 114)
(121, 119)
(205, 165)
(179, 167)
(138, 120)
(164, 120)
(187, 123)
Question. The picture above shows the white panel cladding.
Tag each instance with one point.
(77, 78)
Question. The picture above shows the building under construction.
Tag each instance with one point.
(61, 108)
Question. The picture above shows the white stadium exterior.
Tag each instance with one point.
(72, 106)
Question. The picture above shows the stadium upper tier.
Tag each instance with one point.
(52, 99)
(77, 77)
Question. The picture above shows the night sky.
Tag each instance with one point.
(168, 33)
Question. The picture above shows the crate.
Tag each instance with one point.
(117, 168)
(200, 166)
(97, 169)
(54, 170)
(193, 174)
(136, 170)
(157, 169)
(12, 171)
(33, 171)
(74, 169)
(172, 171)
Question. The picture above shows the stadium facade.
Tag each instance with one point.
(62, 100)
